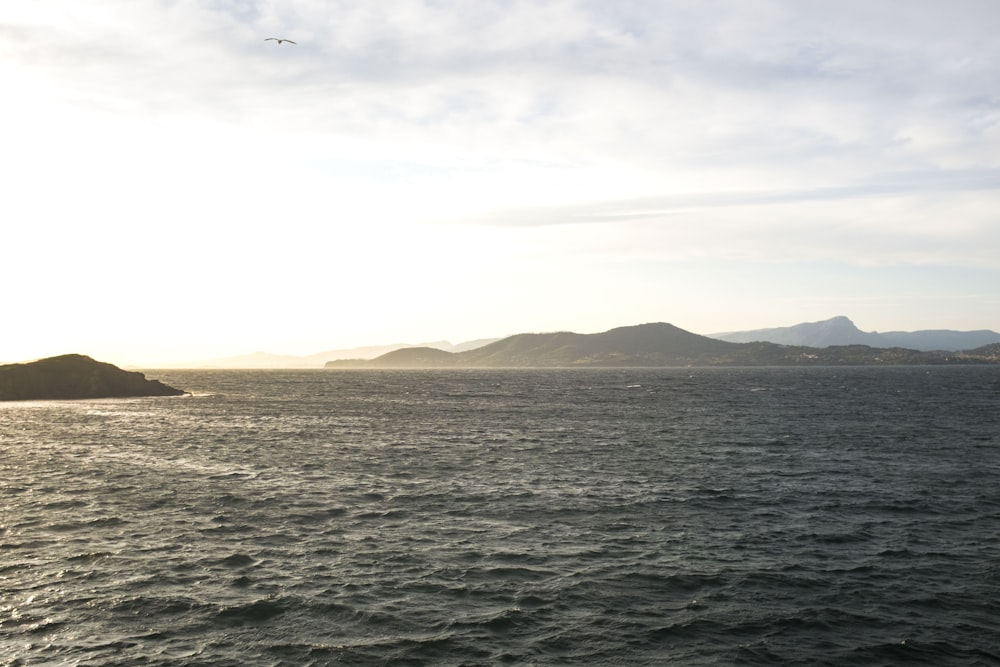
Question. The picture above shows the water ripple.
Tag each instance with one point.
(696, 517)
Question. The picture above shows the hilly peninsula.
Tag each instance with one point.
(75, 376)
(654, 345)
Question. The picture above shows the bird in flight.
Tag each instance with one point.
(279, 41)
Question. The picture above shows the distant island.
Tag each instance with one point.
(75, 376)
(657, 345)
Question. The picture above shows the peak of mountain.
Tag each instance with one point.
(838, 330)
(842, 331)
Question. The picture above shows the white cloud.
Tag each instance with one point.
(587, 135)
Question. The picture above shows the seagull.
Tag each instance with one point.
(279, 41)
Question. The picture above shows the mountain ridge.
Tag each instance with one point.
(840, 330)
(655, 344)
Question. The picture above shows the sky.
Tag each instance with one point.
(174, 187)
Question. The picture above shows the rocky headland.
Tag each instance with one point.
(75, 376)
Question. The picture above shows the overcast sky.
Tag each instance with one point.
(174, 187)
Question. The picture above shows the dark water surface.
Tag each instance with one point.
(845, 516)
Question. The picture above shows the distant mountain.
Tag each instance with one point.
(275, 361)
(842, 331)
(644, 345)
(461, 347)
(74, 376)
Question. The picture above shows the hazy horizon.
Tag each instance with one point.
(316, 358)
(179, 189)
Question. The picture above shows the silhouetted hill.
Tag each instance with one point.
(75, 376)
(411, 357)
(842, 331)
(641, 345)
(268, 360)
(645, 345)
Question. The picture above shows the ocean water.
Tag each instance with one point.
(846, 516)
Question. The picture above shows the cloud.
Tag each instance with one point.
(652, 96)
(888, 185)
(616, 144)
(664, 85)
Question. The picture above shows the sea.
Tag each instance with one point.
(686, 516)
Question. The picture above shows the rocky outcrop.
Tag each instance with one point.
(74, 376)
